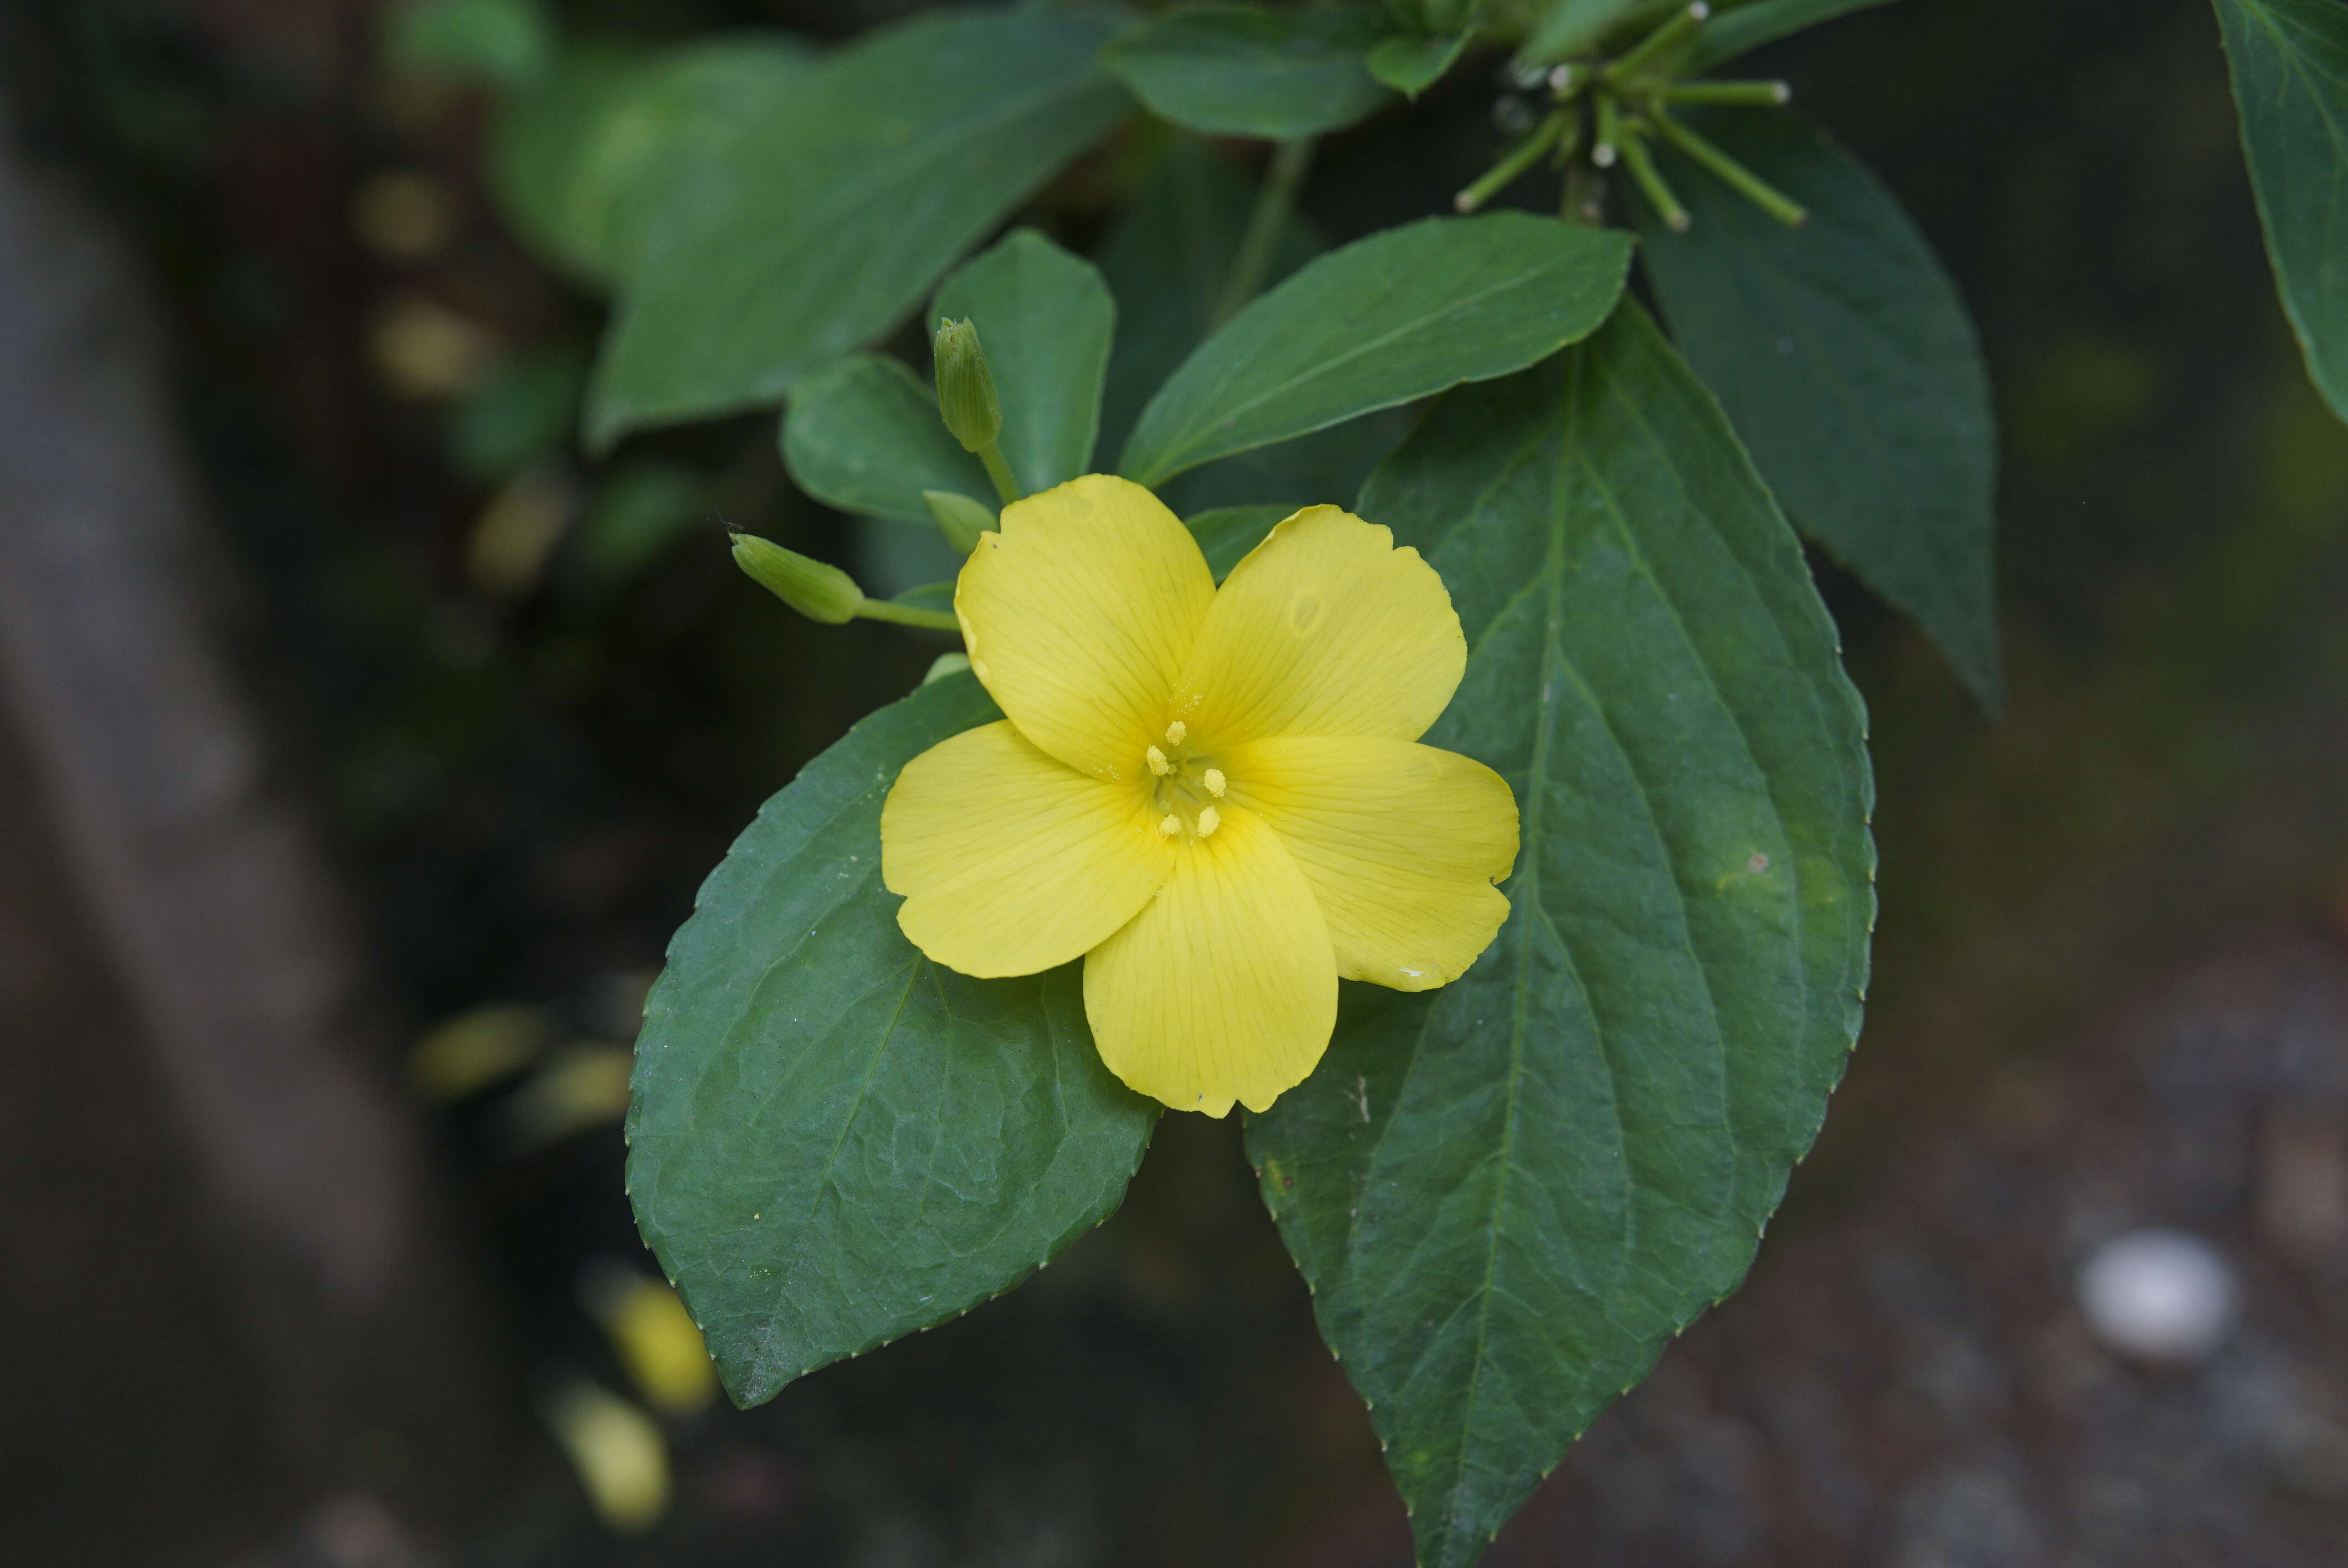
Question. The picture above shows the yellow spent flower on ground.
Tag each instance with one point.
(1216, 798)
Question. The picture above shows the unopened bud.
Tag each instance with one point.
(966, 387)
(818, 592)
(959, 518)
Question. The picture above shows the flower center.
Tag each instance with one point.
(1185, 788)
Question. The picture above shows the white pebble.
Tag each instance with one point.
(2157, 1295)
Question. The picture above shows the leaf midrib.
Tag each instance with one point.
(1554, 665)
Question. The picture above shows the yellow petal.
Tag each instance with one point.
(1223, 987)
(1011, 862)
(1078, 614)
(1400, 843)
(1325, 629)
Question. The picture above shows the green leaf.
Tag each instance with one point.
(1570, 28)
(586, 167)
(1045, 320)
(824, 221)
(641, 509)
(509, 43)
(864, 436)
(1401, 314)
(1167, 261)
(832, 1140)
(1848, 365)
(1509, 1194)
(1253, 70)
(1326, 466)
(1411, 66)
(2290, 60)
(929, 596)
(524, 412)
(892, 559)
(1227, 533)
(535, 157)
(1734, 31)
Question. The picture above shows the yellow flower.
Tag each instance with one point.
(1216, 798)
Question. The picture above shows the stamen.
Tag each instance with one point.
(1215, 783)
(1176, 733)
(1210, 820)
(1170, 824)
(1158, 762)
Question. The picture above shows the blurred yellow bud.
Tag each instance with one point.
(654, 1336)
(618, 1452)
(402, 215)
(424, 350)
(582, 1086)
(466, 1053)
(515, 535)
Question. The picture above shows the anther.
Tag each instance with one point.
(1176, 733)
(1158, 762)
(1215, 783)
(1170, 824)
(1210, 820)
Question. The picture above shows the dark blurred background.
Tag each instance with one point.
(360, 748)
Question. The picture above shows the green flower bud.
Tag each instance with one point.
(966, 387)
(818, 592)
(959, 518)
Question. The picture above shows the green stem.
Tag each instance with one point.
(1568, 140)
(999, 471)
(1677, 28)
(1273, 203)
(1733, 174)
(1610, 132)
(1514, 162)
(1583, 199)
(1651, 182)
(905, 615)
(1765, 95)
